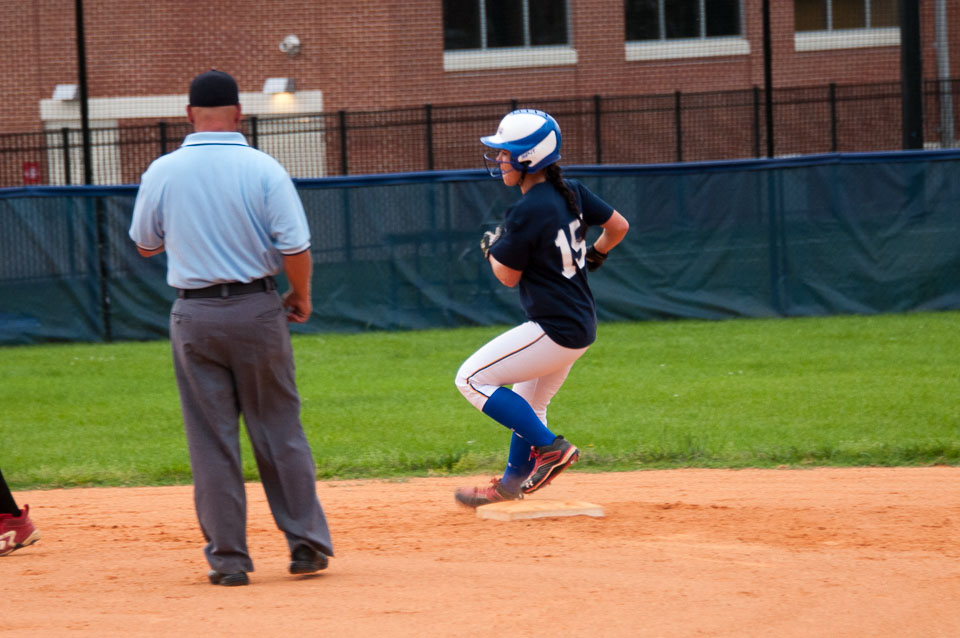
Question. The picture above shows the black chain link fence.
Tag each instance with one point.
(645, 129)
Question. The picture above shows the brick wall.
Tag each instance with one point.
(369, 56)
(374, 55)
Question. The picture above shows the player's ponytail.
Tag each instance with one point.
(555, 176)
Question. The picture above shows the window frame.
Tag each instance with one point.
(855, 38)
(701, 46)
(526, 55)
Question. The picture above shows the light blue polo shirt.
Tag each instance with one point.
(223, 211)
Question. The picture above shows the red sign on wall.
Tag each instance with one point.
(31, 173)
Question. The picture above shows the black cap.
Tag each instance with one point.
(214, 88)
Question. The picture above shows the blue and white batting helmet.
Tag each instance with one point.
(531, 136)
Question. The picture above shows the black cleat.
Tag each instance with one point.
(228, 580)
(305, 560)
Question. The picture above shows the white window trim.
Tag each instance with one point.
(846, 39)
(509, 58)
(686, 48)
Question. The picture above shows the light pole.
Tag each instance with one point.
(84, 102)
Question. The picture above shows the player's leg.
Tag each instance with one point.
(503, 361)
(211, 422)
(538, 393)
(270, 405)
(519, 464)
(519, 355)
(7, 503)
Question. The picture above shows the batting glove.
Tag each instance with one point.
(595, 258)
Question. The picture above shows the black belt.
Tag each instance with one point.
(229, 290)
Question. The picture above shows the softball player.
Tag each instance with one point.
(540, 246)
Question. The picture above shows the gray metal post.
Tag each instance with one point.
(768, 76)
(84, 96)
(162, 134)
(65, 136)
(99, 214)
(597, 130)
(832, 96)
(344, 164)
(428, 117)
(943, 73)
(678, 124)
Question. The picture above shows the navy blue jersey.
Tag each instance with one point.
(545, 239)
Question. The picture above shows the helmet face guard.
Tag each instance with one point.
(495, 167)
(532, 138)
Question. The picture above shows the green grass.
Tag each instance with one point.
(878, 390)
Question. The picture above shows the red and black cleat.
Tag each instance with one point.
(477, 496)
(550, 460)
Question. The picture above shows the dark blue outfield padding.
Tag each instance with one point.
(860, 233)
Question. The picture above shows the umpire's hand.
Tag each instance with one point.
(298, 307)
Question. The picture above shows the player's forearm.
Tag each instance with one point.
(299, 269)
(614, 230)
(506, 275)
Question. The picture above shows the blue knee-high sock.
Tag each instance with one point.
(519, 464)
(511, 410)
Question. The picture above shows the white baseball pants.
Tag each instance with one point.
(524, 357)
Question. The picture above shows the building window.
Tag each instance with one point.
(835, 15)
(498, 34)
(681, 19)
(845, 24)
(667, 29)
(497, 24)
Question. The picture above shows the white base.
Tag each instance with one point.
(523, 509)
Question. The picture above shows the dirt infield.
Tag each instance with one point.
(819, 552)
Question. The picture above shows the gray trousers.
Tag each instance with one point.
(233, 356)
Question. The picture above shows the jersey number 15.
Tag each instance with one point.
(571, 249)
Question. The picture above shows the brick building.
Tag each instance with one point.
(371, 56)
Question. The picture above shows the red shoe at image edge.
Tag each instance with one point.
(17, 531)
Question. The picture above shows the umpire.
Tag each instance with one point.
(229, 218)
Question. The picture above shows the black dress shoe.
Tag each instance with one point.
(305, 560)
(228, 580)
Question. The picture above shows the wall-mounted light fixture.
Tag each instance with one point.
(65, 92)
(290, 45)
(278, 85)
